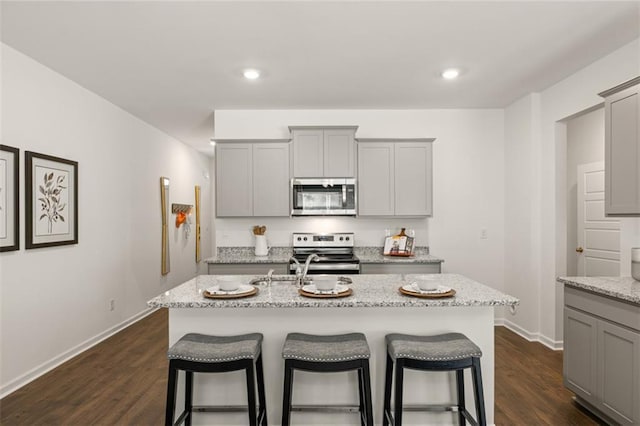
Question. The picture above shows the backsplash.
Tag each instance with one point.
(368, 231)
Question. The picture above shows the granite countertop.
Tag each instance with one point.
(622, 288)
(374, 255)
(230, 255)
(247, 255)
(368, 291)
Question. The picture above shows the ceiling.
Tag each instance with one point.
(172, 63)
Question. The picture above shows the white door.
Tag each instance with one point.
(598, 247)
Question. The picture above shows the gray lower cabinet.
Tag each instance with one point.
(404, 268)
(622, 149)
(247, 268)
(601, 362)
(395, 177)
(252, 179)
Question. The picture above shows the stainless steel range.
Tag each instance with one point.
(335, 253)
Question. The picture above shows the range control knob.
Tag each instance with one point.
(299, 239)
(305, 238)
(347, 238)
(341, 238)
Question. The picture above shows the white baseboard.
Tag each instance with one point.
(556, 345)
(47, 366)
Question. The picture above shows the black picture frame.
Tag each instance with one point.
(9, 198)
(51, 201)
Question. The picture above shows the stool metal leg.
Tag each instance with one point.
(361, 397)
(461, 403)
(387, 391)
(171, 396)
(398, 392)
(251, 393)
(367, 393)
(287, 393)
(479, 394)
(261, 393)
(188, 397)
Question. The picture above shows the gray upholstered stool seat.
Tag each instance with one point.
(442, 352)
(442, 347)
(311, 347)
(202, 353)
(205, 348)
(327, 354)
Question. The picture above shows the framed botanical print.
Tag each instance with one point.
(51, 201)
(9, 198)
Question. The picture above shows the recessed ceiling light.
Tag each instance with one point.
(212, 142)
(450, 73)
(251, 74)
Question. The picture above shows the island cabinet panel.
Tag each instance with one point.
(234, 179)
(622, 150)
(375, 179)
(395, 178)
(271, 179)
(323, 151)
(602, 354)
(252, 179)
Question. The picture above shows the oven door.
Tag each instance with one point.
(323, 197)
(316, 268)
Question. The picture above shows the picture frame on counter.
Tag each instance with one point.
(9, 198)
(51, 201)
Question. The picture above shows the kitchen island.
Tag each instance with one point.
(375, 308)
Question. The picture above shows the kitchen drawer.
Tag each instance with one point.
(623, 313)
(399, 268)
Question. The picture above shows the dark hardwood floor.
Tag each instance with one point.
(123, 381)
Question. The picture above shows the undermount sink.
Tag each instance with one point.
(291, 279)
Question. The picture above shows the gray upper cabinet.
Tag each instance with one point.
(234, 179)
(271, 179)
(327, 151)
(252, 179)
(622, 149)
(395, 177)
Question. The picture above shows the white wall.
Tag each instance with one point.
(55, 301)
(585, 144)
(545, 248)
(468, 160)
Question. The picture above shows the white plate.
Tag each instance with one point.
(243, 288)
(311, 288)
(413, 287)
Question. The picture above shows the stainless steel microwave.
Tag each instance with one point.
(323, 197)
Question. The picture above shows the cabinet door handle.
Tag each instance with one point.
(579, 249)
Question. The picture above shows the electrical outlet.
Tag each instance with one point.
(112, 305)
(484, 234)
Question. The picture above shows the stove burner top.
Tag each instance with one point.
(335, 253)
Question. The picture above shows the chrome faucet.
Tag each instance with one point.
(298, 271)
(311, 257)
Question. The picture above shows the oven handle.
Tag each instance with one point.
(330, 267)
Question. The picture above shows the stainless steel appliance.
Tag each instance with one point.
(323, 197)
(335, 253)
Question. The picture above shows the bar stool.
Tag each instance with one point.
(443, 352)
(201, 353)
(322, 354)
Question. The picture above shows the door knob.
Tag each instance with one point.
(579, 249)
